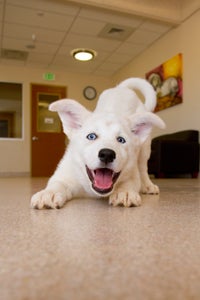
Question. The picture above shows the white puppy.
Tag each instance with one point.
(108, 150)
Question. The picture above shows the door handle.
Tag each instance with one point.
(35, 138)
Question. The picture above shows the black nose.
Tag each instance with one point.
(107, 155)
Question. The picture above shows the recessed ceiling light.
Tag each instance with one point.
(83, 54)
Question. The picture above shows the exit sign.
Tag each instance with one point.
(49, 76)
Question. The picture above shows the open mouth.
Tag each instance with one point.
(103, 179)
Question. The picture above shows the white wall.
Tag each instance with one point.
(15, 155)
(183, 39)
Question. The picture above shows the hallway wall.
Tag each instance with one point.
(184, 39)
(16, 153)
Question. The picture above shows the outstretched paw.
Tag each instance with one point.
(47, 199)
(126, 199)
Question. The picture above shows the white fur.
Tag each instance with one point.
(121, 124)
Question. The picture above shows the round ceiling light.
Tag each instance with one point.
(83, 54)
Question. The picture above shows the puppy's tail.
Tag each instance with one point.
(145, 88)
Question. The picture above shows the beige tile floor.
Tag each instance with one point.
(89, 250)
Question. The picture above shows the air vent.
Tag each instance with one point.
(14, 54)
(116, 32)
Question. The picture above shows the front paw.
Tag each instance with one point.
(126, 199)
(150, 188)
(47, 199)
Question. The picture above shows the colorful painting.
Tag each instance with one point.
(168, 82)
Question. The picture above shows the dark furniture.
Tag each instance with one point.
(175, 154)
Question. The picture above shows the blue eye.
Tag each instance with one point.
(121, 140)
(92, 136)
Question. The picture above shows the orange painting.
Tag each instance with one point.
(168, 82)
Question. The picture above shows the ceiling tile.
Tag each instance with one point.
(143, 37)
(98, 44)
(64, 50)
(130, 48)
(104, 73)
(38, 65)
(26, 16)
(45, 48)
(26, 32)
(40, 58)
(63, 60)
(155, 26)
(9, 43)
(115, 18)
(60, 7)
(106, 66)
(11, 62)
(88, 27)
(119, 58)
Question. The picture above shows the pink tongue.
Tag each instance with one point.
(103, 178)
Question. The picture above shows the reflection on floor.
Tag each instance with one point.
(90, 250)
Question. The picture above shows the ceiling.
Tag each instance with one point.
(42, 33)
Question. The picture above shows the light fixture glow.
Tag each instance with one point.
(83, 54)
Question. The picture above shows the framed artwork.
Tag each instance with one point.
(167, 81)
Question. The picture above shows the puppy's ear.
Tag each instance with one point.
(71, 113)
(142, 124)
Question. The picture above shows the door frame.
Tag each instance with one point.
(46, 89)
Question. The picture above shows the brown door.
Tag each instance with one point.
(48, 141)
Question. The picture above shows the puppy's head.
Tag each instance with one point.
(105, 147)
(105, 150)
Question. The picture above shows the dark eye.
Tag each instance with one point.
(121, 140)
(92, 136)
